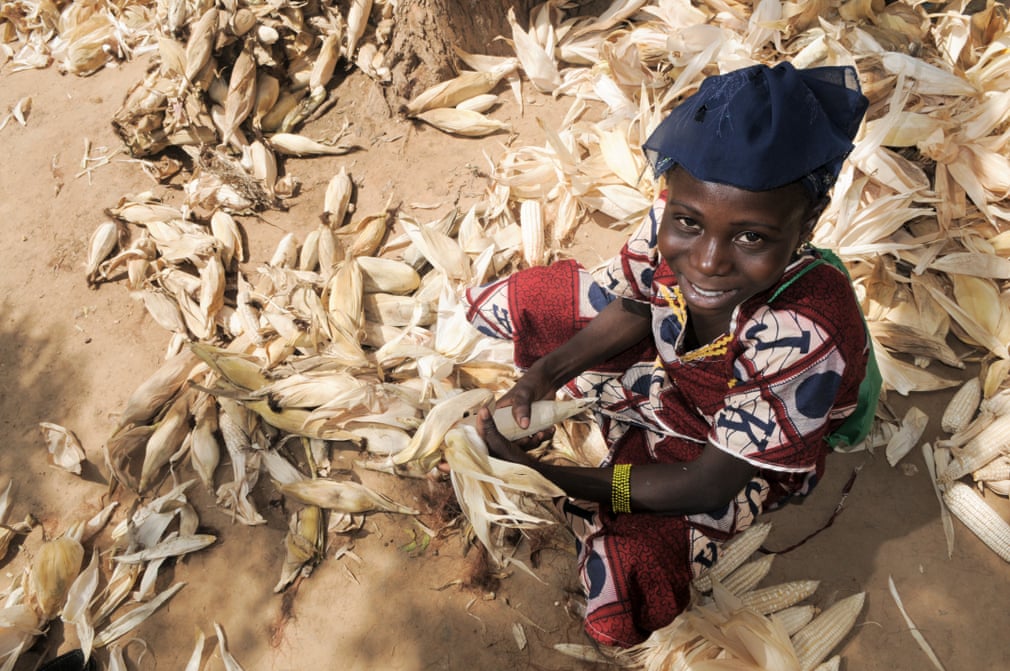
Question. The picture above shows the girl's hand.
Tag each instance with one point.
(534, 385)
(500, 447)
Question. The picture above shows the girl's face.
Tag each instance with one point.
(726, 244)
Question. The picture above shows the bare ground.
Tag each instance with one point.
(72, 355)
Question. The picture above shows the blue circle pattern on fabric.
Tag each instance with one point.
(816, 394)
(596, 572)
(647, 277)
(598, 297)
(669, 330)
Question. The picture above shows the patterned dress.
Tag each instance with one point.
(769, 391)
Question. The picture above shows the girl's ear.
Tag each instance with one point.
(813, 215)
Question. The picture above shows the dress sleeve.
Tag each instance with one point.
(785, 392)
(629, 274)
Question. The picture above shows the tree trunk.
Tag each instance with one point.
(426, 31)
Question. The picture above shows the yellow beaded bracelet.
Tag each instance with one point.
(620, 489)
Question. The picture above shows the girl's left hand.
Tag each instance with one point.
(501, 447)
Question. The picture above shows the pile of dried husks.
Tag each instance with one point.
(354, 335)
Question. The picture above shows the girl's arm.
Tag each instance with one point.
(708, 483)
(618, 326)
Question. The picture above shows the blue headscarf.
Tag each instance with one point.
(760, 128)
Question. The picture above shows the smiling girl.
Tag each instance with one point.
(726, 353)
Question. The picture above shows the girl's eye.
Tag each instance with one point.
(751, 238)
(686, 223)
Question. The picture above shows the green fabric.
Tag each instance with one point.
(857, 425)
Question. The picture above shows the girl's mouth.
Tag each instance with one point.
(707, 293)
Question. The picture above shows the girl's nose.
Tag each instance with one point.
(711, 256)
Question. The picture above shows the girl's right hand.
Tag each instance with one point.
(534, 385)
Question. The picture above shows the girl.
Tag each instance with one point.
(726, 353)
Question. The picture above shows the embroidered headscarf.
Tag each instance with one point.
(760, 128)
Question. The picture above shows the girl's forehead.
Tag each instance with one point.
(780, 206)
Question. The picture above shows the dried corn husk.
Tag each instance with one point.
(291, 144)
(53, 570)
(343, 497)
(65, 450)
(462, 122)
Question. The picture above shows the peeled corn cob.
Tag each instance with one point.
(814, 641)
(795, 618)
(543, 414)
(532, 224)
(982, 520)
(962, 406)
(749, 575)
(832, 664)
(986, 446)
(997, 469)
(734, 553)
(777, 597)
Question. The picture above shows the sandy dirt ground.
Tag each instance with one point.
(71, 355)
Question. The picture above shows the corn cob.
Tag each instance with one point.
(151, 396)
(777, 597)
(200, 47)
(543, 414)
(983, 521)
(734, 553)
(962, 406)
(369, 236)
(346, 496)
(1000, 487)
(308, 256)
(103, 242)
(329, 251)
(241, 92)
(326, 61)
(814, 641)
(997, 469)
(290, 144)
(286, 101)
(381, 275)
(479, 103)
(454, 91)
(393, 310)
(794, 618)
(268, 90)
(747, 577)
(986, 446)
(337, 198)
(531, 222)
(226, 231)
(832, 664)
(166, 440)
(462, 122)
(53, 569)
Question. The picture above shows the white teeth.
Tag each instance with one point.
(708, 294)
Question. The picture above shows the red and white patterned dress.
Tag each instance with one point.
(769, 391)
